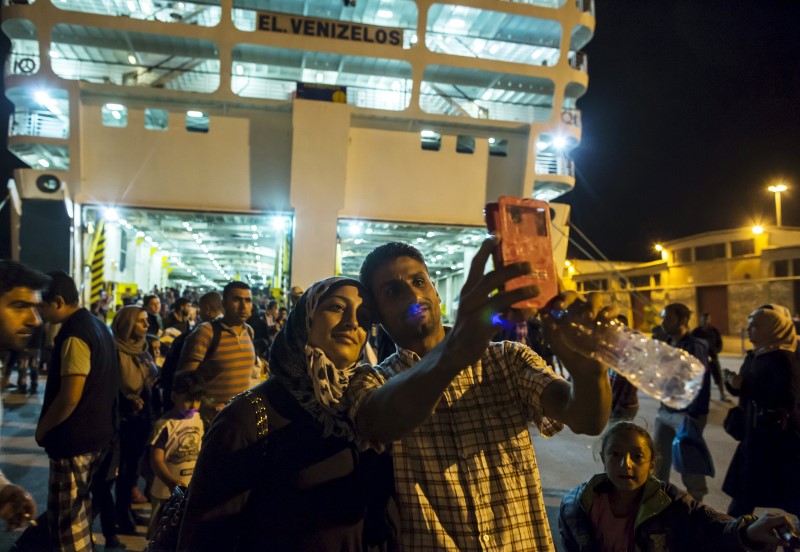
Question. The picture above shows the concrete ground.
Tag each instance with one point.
(564, 460)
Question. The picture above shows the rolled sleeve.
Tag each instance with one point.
(531, 375)
(75, 357)
(364, 381)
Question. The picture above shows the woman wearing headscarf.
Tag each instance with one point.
(763, 472)
(309, 484)
(137, 375)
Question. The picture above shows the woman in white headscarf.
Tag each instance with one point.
(764, 469)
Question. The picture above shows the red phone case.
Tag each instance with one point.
(524, 228)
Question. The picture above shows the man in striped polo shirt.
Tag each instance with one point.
(227, 368)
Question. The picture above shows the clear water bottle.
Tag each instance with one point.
(666, 373)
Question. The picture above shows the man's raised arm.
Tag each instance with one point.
(396, 408)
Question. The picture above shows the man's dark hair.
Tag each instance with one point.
(148, 298)
(681, 311)
(230, 286)
(14, 275)
(272, 304)
(61, 284)
(180, 302)
(384, 253)
(213, 299)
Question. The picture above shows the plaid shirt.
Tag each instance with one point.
(467, 478)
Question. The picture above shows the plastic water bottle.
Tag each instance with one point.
(666, 373)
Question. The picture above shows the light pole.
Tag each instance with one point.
(777, 189)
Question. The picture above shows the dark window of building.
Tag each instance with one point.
(595, 285)
(682, 255)
(656, 280)
(430, 140)
(796, 269)
(640, 281)
(465, 144)
(498, 148)
(197, 121)
(740, 248)
(780, 269)
(709, 252)
(156, 119)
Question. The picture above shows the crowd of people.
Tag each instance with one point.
(296, 428)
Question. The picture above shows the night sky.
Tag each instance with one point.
(693, 109)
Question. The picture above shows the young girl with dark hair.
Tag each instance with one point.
(627, 509)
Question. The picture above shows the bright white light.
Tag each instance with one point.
(438, 258)
(369, 230)
(420, 240)
(139, 234)
(456, 23)
(478, 45)
(131, 6)
(204, 248)
(487, 94)
(253, 227)
(559, 142)
(758, 229)
(537, 53)
(460, 265)
(123, 222)
(193, 113)
(255, 236)
(239, 70)
(494, 48)
(358, 241)
(395, 85)
(475, 238)
(110, 214)
(320, 77)
(427, 134)
(55, 54)
(280, 223)
(116, 115)
(384, 14)
(355, 228)
(115, 106)
(44, 162)
(196, 236)
(430, 235)
(414, 39)
(542, 145)
(438, 272)
(42, 97)
(492, 140)
(132, 59)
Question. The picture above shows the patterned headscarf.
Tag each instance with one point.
(779, 321)
(312, 379)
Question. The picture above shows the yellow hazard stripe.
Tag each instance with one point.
(97, 261)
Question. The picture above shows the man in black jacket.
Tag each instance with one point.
(675, 321)
(79, 414)
(713, 338)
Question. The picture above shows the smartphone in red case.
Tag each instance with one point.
(523, 226)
